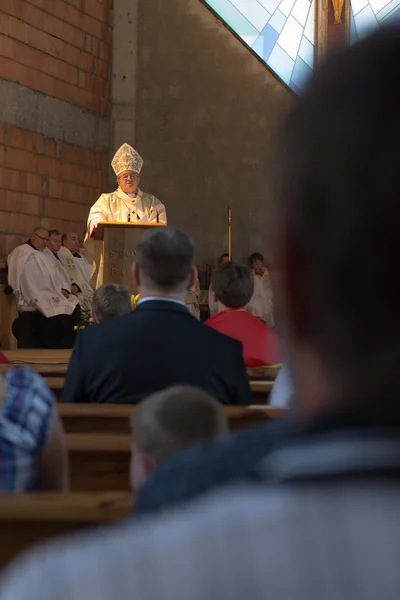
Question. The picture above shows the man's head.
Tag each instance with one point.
(111, 300)
(128, 181)
(54, 243)
(256, 261)
(224, 258)
(337, 232)
(164, 263)
(233, 285)
(170, 421)
(71, 241)
(39, 238)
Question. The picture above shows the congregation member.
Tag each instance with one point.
(47, 313)
(321, 519)
(127, 204)
(170, 421)
(261, 303)
(109, 301)
(233, 286)
(212, 304)
(78, 267)
(33, 453)
(160, 343)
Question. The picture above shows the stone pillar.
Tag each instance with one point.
(331, 35)
(123, 112)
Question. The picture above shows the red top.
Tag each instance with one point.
(260, 344)
(3, 359)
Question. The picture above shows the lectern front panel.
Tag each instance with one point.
(119, 253)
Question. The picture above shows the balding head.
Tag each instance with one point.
(39, 238)
(170, 421)
(71, 241)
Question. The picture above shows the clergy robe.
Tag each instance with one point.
(121, 208)
(79, 270)
(37, 283)
(261, 304)
(65, 279)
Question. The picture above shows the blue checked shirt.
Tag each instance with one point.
(25, 417)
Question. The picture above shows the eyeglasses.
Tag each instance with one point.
(42, 238)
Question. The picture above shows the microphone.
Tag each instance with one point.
(129, 217)
(158, 216)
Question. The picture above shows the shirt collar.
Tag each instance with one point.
(151, 298)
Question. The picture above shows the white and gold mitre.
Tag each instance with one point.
(126, 159)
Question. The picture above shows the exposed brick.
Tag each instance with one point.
(17, 138)
(10, 48)
(55, 188)
(12, 241)
(19, 202)
(71, 15)
(44, 41)
(28, 13)
(60, 209)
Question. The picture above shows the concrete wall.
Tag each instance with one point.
(206, 109)
(55, 64)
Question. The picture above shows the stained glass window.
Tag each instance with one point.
(367, 15)
(281, 32)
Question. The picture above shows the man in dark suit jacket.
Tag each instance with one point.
(160, 344)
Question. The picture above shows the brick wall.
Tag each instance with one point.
(45, 182)
(59, 47)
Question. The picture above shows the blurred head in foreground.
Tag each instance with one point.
(336, 233)
(170, 421)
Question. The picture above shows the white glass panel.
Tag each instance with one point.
(286, 6)
(358, 5)
(309, 30)
(254, 12)
(270, 5)
(300, 11)
(281, 63)
(377, 5)
(277, 21)
(365, 22)
(290, 37)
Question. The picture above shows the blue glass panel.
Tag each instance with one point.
(301, 73)
(266, 42)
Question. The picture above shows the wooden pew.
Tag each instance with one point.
(99, 441)
(26, 519)
(114, 418)
(99, 461)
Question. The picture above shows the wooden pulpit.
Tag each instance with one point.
(119, 243)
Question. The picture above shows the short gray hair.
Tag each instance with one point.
(165, 257)
(111, 300)
(179, 417)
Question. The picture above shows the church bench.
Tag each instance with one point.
(26, 519)
(54, 375)
(99, 462)
(39, 357)
(99, 442)
(114, 418)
